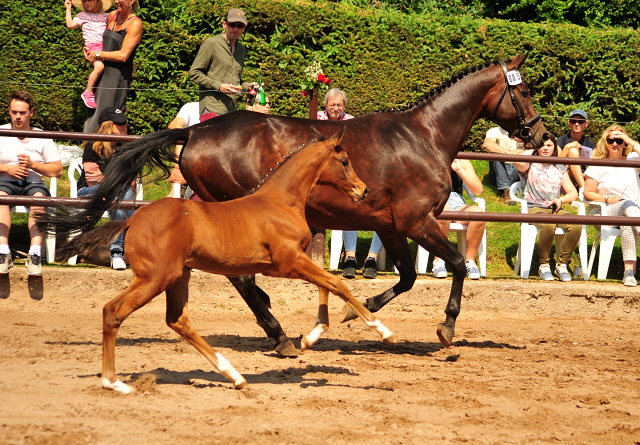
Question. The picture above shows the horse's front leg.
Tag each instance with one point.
(397, 248)
(259, 303)
(431, 238)
(322, 322)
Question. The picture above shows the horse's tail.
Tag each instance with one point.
(91, 240)
(138, 158)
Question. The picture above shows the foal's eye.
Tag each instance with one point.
(345, 163)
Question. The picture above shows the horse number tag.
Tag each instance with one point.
(514, 78)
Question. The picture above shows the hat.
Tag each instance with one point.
(112, 114)
(207, 116)
(579, 112)
(235, 15)
(106, 5)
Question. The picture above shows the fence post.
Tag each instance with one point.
(316, 248)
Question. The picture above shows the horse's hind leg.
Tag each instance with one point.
(322, 322)
(139, 293)
(178, 320)
(259, 303)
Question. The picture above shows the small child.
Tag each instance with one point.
(93, 21)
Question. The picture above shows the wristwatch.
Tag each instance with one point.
(97, 55)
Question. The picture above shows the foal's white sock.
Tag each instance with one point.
(35, 250)
(4, 248)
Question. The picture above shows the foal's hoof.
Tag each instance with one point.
(305, 344)
(347, 314)
(444, 334)
(117, 386)
(287, 349)
(239, 385)
(391, 340)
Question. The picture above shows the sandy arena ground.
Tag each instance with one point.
(531, 363)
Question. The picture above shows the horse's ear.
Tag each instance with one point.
(317, 135)
(334, 141)
(524, 57)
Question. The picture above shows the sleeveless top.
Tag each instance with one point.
(456, 183)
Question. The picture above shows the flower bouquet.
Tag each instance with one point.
(314, 79)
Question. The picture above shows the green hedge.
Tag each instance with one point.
(379, 58)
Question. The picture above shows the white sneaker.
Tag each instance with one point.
(473, 273)
(562, 272)
(117, 262)
(439, 270)
(545, 273)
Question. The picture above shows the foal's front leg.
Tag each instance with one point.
(322, 322)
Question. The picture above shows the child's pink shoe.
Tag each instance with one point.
(89, 99)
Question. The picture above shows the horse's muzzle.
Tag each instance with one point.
(360, 195)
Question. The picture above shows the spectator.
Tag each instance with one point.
(188, 115)
(576, 145)
(462, 172)
(120, 40)
(264, 109)
(95, 161)
(542, 185)
(23, 163)
(217, 69)
(93, 21)
(618, 188)
(498, 141)
(335, 101)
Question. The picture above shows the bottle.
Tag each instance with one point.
(261, 97)
(251, 96)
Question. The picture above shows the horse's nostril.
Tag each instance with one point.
(365, 193)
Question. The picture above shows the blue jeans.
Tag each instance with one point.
(506, 174)
(350, 239)
(117, 246)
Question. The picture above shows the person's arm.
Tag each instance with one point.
(131, 40)
(16, 170)
(571, 194)
(492, 146)
(51, 169)
(464, 169)
(591, 194)
(200, 68)
(68, 18)
(523, 167)
(177, 122)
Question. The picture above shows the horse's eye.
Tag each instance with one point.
(525, 93)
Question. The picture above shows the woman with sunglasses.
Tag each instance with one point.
(543, 184)
(618, 188)
(217, 69)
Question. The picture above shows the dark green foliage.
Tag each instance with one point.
(382, 58)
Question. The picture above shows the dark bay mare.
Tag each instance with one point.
(404, 157)
(265, 232)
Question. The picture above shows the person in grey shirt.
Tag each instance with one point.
(218, 66)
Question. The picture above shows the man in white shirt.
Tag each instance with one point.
(23, 163)
(498, 141)
(188, 115)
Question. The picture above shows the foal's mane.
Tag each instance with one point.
(285, 158)
(444, 85)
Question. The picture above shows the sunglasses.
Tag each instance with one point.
(235, 25)
(577, 121)
(618, 141)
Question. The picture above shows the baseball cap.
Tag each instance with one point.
(235, 15)
(207, 116)
(112, 114)
(578, 112)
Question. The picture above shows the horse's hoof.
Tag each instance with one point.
(391, 340)
(347, 314)
(444, 334)
(287, 349)
(239, 385)
(117, 386)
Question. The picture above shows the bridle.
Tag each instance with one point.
(524, 131)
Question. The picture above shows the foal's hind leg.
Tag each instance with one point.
(322, 322)
(178, 320)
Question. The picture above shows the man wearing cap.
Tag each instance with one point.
(576, 145)
(218, 66)
(23, 163)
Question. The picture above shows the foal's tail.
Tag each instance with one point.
(138, 158)
(91, 240)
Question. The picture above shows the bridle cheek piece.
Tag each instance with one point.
(524, 130)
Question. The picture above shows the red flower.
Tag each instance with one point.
(304, 93)
(321, 77)
(327, 81)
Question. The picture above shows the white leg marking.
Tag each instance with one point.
(226, 369)
(116, 386)
(385, 333)
(314, 336)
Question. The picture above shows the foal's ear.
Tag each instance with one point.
(334, 141)
(317, 135)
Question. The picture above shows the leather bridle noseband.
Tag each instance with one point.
(524, 131)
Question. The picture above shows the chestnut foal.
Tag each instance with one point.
(265, 232)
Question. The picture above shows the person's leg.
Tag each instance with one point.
(504, 176)
(546, 235)
(5, 222)
(98, 68)
(370, 269)
(473, 237)
(438, 269)
(575, 171)
(572, 233)
(350, 239)
(628, 238)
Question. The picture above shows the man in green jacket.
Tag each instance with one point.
(218, 66)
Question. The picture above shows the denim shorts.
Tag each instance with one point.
(455, 201)
(28, 189)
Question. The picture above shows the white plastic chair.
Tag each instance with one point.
(461, 232)
(529, 234)
(76, 167)
(607, 236)
(49, 245)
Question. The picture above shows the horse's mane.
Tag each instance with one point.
(444, 85)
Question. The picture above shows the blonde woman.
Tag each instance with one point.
(618, 188)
